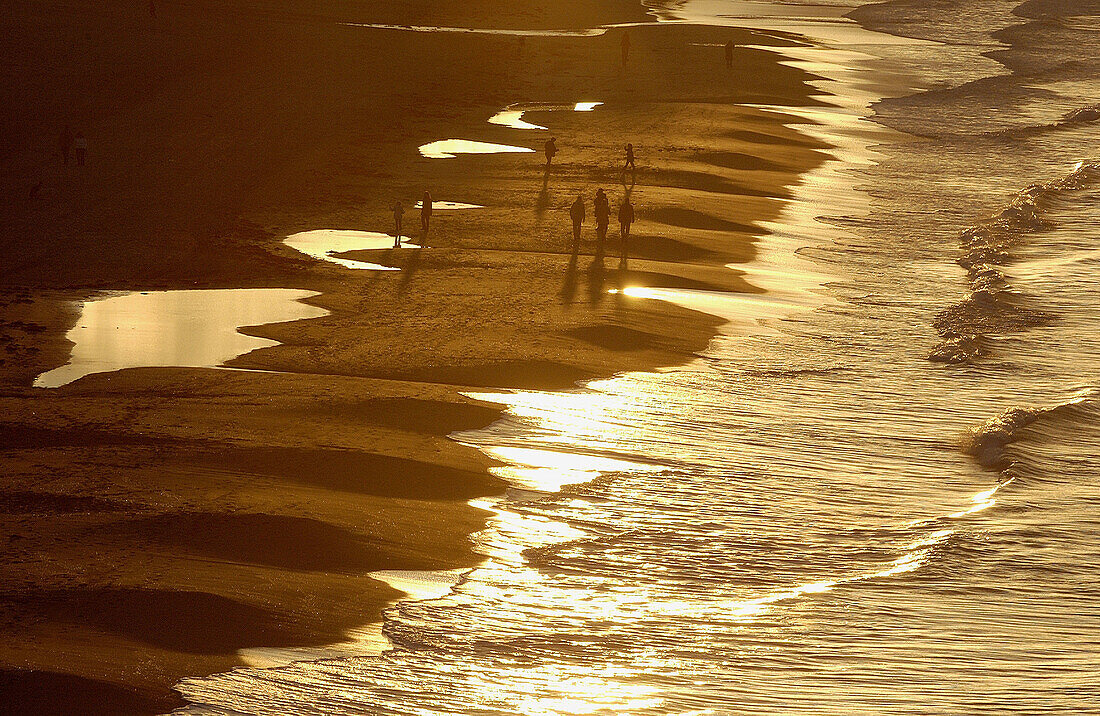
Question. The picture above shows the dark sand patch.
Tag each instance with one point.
(45, 693)
(739, 162)
(432, 417)
(663, 248)
(615, 338)
(533, 374)
(182, 621)
(27, 437)
(354, 471)
(691, 219)
(702, 181)
(298, 543)
(29, 502)
(785, 140)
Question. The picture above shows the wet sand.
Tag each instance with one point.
(158, 520)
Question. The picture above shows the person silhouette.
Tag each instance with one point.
(629, 159)
(398, 212)
(602, 209)
(576, 213)
(626, 218)
(66, 143)
(425, 217)
(551, 150)
(80, 143)
(625, 46)
(729, 55)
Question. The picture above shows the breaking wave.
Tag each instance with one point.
(992, 306)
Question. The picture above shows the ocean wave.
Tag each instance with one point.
(988, 443)
(992, 306)
(1070, 120)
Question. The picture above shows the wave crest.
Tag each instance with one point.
(992, 306)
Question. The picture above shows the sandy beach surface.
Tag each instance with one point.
(157, 520)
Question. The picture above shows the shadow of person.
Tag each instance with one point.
(543, 200)
(569, 284)
(409, 270)
(597, 277)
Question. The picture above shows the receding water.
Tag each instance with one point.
(173, 328)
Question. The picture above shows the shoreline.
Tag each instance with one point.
(188, 418)
(779, 254)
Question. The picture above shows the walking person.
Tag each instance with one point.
(425, 217)
(625, 46)
(80, 143)
(602, 209)
(551, 150)
(66, 142)
(729, 55)
(576, 213)
(626, 218)
(629, 160)
(398, 213)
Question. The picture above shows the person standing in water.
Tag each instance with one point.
(398, 212)
(80, 143)
(576, 213)
(66, 142)
(626, 218)
(629, 159)
(602, 209)
(729, 55)
(625, 46)
(425, 217)
(551, 150)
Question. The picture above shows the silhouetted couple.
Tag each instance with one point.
(73, 142)
(426, 209)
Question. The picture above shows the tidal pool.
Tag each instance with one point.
(324, 244)
(450, 205)
(512, 115)
(450, 148)
(193, 328)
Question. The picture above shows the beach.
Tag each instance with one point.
(159, 520)
(823, 442)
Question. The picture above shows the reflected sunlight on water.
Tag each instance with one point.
(173, 328)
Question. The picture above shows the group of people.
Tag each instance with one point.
(73, 144)
(602, 209)
(600, 205)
